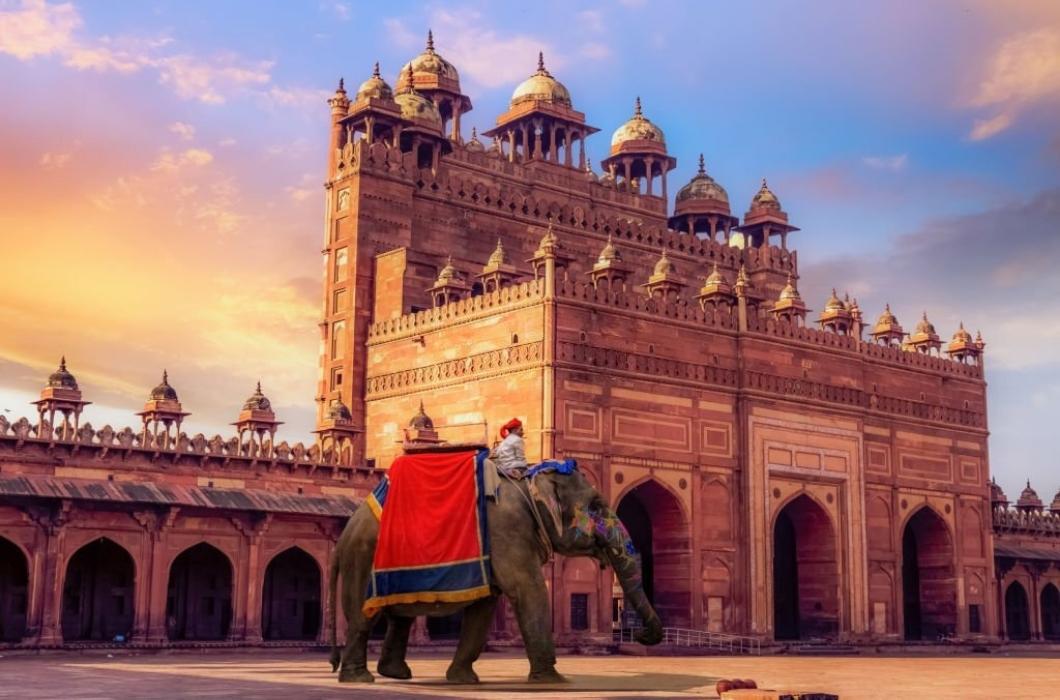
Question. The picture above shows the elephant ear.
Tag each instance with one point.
(545, 493)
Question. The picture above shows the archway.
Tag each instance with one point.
(199, 600)
(14, 591)
(1017, 612)
(290, 598)
(1050, 601)
(805, 572)
(928, 588)
(660, 534)
(98, 593)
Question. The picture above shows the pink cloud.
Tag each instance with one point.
(1025, 70)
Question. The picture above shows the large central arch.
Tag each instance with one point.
(290, 599)
(929, 591)
(660, 532)
(14, 591)
(98, 593)
(199, 600)
(805, 572)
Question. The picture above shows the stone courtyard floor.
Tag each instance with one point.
(304, 676)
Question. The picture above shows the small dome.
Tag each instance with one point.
(429, 63)
(924, 326)
(61, 379)
(1029, 498)
(447, 273)
(886, 322)
(541, 87)
(609, 254)
(664, 266)
(638, 128)
(337, 410)
(962, 336)
(474, 144)
(421, 421)
(495, 149)
(164, 392)
(702, 186)
(715, 276)
(257, 401)
(834, 303)
(589, 174)
(375, 87)
(416, 107)
(498, 257)
(997, 495)
(790, 292)
(765, 199)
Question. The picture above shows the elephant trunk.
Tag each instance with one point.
(620, 553)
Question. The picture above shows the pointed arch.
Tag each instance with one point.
(929, 591)
(98, 590)
(805, 570)
(1017, 612)
(291, 596)
(199, 594)
(14, 591)
(1050, 606)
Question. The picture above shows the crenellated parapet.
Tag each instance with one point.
(1010, 520)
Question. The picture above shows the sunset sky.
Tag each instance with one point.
(161, 167)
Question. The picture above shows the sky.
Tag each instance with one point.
(161, 170)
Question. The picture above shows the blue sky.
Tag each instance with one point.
(163, 161)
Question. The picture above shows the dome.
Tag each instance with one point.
(338, 410)
(702, 186)
(447, 273)
(257, 401)
(997, 495)
(715, 277)
(416, 107)
(164, 392)
(664, 266)
(962, 336)
(609, 254)
(638, 128)
(1029, 498)
(541, 87)
(789, 293)
(427, 63)
(421, 421)
(886, 322)
(61, 379)
(924, 326)
(474, 144)
(834, 303)
(765, 199)
(375, 87)
(498, 257)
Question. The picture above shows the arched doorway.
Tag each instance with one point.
(199, 599)
(660, 534)
(928, 589)
(1050, 600)
(290, 598)
(1017, 612)
(805, 572)
(14, 591)
(98, 593)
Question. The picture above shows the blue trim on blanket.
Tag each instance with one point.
(566, 467)
(445, 577)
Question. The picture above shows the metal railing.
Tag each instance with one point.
(701, 639)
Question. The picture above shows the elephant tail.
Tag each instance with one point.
(333, 585)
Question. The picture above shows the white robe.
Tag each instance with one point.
(511, 453)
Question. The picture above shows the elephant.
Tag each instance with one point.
(579, 524)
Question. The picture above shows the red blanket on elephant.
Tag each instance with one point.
(433, 545)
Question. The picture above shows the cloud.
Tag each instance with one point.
(591, 20)
(210, 80)
(55, 161)
(36, 28)
(296, 96)
(1025, 70)
(484, 55)
(994, 270)
(169, 161)
(893, 163)
(341, 10)
(182, 129)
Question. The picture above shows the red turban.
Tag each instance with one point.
(510, 426)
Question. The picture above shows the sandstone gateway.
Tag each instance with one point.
(785, 474)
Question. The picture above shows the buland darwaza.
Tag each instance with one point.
(784, 474)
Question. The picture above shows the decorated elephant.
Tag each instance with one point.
(577, 523)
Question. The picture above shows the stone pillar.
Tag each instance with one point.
(581, 152)
(548, 408)
(457, 136)
(649, 168)
(511, 145)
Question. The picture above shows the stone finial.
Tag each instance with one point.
(430, 41)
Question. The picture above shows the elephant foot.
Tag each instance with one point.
(394, 669)
(461, 675)
(547, 676)
(362, 675)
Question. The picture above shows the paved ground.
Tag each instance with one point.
(304, 676)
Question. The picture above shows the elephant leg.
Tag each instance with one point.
(354, 666)
(532, 610)
(395, 645)
(474, 629)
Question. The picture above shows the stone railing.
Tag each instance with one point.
(1035, 523)
(108, 442)
(630, 299)
(623, 361)
(467, 309)
(476, 366)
